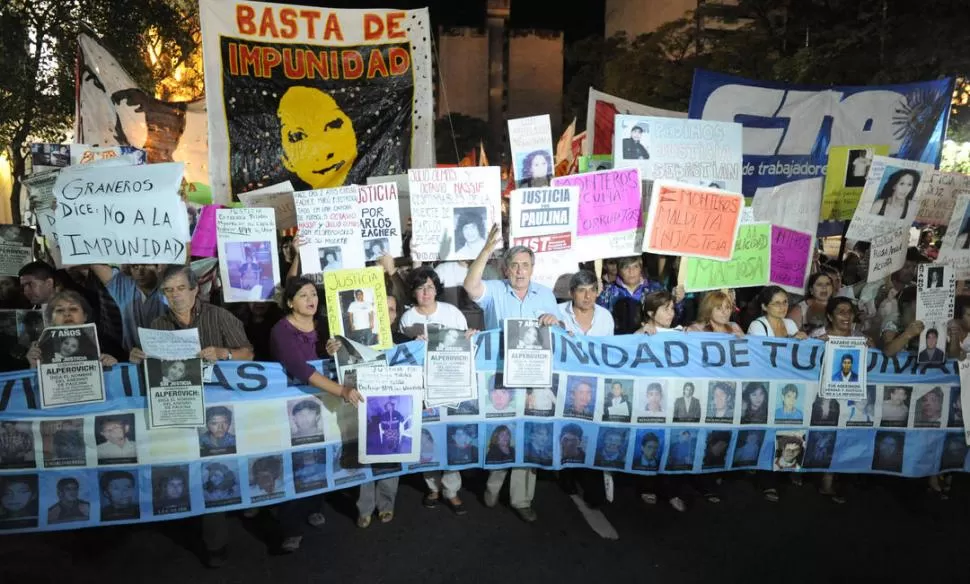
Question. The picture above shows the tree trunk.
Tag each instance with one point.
(17, 167)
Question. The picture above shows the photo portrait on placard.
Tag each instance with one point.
(580, 397)
(934, 277)
(17, 445)
(309, 469)
(819, 450)
(789, 400)
(537, 169)
(572, 444)
(218, 436)
(66, 345)
(331, 258)
(63, 442)
(894, 198)
(389, 424)
(447, 339)
(789, 450)
(306, 421)
(170, 490)
(648, 449)
(954, 417)
(462, 444)
(119, 495)
(220, 483)
(376, 248)
(527, 334)
(859, 161)
(652, 405)
(538, 443)
(716, 448)
(18, 501)
(845, 366)
(931, 341)
(501, 443)
(929, 407)
(617, 400)
(862, 412)
(954, 456)
(250, 270)
(636, 143)
(680, 451)
(687, 406)
(179, 372)
(754, 402)
(887, 451)
(266, 478)
(115, 439)
(611, 445)
(16, 235)
(470, 231)
(720, 402)
(359, 315)
(73, 496)
(747, 448)
(541, 401)
(895, 406)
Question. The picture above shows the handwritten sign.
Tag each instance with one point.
(329, 224)
(685, 220)
(938, 195)
(278, 197)
(380, 220)
(791, 255)
(887, 253)
(121, 214)
(748, 265)
(793, 204)
(357, 306)
(609, 212)
(248, 257)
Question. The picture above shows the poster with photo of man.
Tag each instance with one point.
(357, 306)
(176, 396)
(844, 368)
(935, 297)
(70, 366)
(248, 256)
(449, 366)
(528, 353)
(389, 419)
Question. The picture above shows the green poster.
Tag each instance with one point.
(844, 178)
(748, 266)
(595, 162)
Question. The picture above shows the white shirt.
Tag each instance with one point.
(602, 325)
(446, 315)
(108, 450)
(360, 315)
(543, 399)
(618, 409)
(760, 327)
(451, 274)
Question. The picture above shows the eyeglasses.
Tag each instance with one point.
(426, 288)
(779, 303)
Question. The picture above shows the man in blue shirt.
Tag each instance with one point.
(515, 297)
(138, 297)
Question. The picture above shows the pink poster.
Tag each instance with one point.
(609, 201)
(204, 236)
(791, 252)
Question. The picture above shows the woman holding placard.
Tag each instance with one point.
(66, 308)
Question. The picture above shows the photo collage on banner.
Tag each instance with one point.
(248, 254)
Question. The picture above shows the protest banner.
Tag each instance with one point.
(121, 215)
(249, 263)
(889, 198)
(279, 198)
(544, 220)
(357, 306)
(16, 248)
(380, 220)
(528, 353)
(955, 247)
(389, 418)
(845, 178)
(452, 211)
(329, 224)
(323, 97)
(887, 253)
(651, 371)
(687, 151)
(788, 129)
(791, 258)
(935, 296)
(609, 214)
(449, 367)
(686, 220)
(602, 108)
(70, 366)
(844, 369)
(531, 145)
(748, 266)
(937, 195)
(403, 195)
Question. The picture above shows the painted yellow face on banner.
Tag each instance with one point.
(319, 143)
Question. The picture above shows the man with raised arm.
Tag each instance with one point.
(515, 297)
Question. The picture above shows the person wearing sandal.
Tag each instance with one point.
(379, 495)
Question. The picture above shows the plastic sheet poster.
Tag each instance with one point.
(688, 151)
(935, 297)
(696, 403)
(357, 306)
(380, 220)
(937, 195)
(889, 198)
(329, 225)
(389, 418)
(121, 214)
(544, 220)
(687, 220)
(750, 263)
(531, 145)
(610, 214)
(279, 198)
(248, 255)
(846, 176)
(322, 97)
(452, 211)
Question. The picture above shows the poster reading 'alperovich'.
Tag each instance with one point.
(318, 96)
